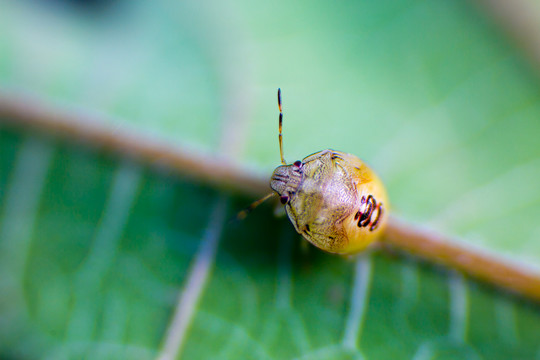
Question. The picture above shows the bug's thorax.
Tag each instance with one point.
(286, 179)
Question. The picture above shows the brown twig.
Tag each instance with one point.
(521, 20)
(222, 172)
(427, 244)
(480, 264)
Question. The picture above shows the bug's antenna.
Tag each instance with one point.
(280, 136)
(242, 214)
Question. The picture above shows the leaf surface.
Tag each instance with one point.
(95, 249)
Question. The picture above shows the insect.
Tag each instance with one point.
(333, 199)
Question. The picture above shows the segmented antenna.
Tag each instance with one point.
(242, 214)
(280, 136)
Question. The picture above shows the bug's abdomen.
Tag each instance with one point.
(368, 219)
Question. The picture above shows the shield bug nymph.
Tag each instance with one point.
(333, 199)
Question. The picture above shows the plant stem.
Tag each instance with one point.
(222, 172)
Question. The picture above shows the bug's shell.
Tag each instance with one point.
(335, 201)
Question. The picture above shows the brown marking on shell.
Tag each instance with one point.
(377, 218)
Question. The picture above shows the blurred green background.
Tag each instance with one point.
(95, 249)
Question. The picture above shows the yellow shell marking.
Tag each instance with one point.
(332, 198)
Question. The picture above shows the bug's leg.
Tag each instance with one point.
(242, 214)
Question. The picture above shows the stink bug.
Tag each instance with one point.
(333, 199)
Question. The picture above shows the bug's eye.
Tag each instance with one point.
(284, 199)
(297, 163)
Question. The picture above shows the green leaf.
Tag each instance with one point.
(94, 249)
(431, 94)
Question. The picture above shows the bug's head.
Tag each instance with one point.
(286, 179)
